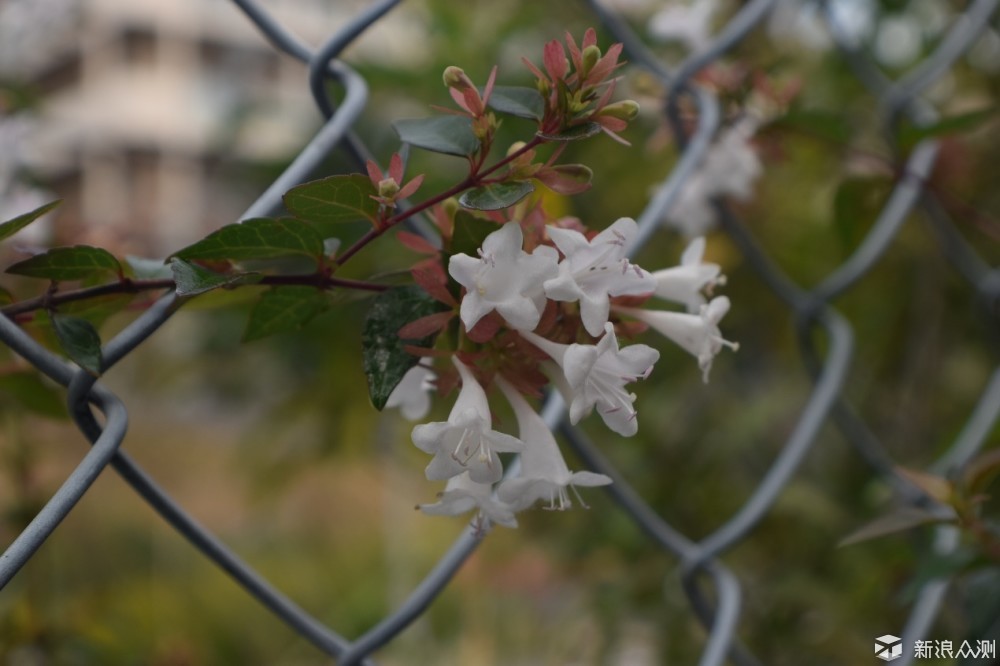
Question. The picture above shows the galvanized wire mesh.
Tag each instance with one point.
(714, 592)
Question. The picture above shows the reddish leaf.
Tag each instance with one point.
(486, 328)
(447, 380)
(488, 90)
(566, 178)
(554, 58)
(630, 330)
(470, 358)
(396, 168)
(411, 187)
(416, 243)
(548, 320)
(936, 487)
(605, 65)
(373, 172)
(443, 220)
(527, 381)
(421, 328)
(425, 352)
(430, 276)
(612, 123)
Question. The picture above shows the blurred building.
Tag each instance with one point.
(143, 103)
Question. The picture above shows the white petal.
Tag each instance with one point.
(622, 421)
(577, 364)
(521, 313)
(427, 436)
(473, 309)
(464, 269)
(504, 243)
(589, 479)
(594, 310)
(569, 241)
(412, 395)
(693, 252)
(563, 287)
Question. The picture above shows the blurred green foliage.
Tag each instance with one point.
(274, 445)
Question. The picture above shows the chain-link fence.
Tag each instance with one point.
(827, 339)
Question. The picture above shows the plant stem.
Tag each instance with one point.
(474, 179)
(320, 280)
(52, 299)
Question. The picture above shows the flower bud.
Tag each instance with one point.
(591, 55)
(578, 172)
(626, 109)
(543, 88)
(514, 147)
(566, 179)
(450, 207)
(388, 188)
(455, 77)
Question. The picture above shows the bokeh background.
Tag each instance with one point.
(157, 122)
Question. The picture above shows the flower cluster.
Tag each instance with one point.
(577, 91)
(534, 300)
(562, 306)
(509, 301)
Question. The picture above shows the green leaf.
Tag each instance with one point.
(325, 204)
(981, 471)
(518, 101)
(261, 238)
(980, 603)
(78, 262)
(937, 566)
(27, 390)
(818, 123)
(191, 279)
(385, 360)
(856, 203)
(903, 519)
(11, 227)
(909, 135)
(284, 308)
(584, 131)
(469, 233)
(79, 339)
(451, 135)
(6, 297)
(496, 196)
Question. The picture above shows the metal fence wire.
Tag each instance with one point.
(714, 592)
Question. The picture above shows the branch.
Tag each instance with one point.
(54, 298)
(474, 179)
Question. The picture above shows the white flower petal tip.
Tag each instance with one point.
(687, 282)
(462, 494)
(544, 475)
(593, 271)
(504, 278)
(597, 375)
(698, 334)
(688, 24)
(412, 393)
(730, 168)
(466, 442)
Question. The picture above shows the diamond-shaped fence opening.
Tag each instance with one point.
(879, 296)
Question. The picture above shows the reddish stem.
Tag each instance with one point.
(474, 179)
(55, 298)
